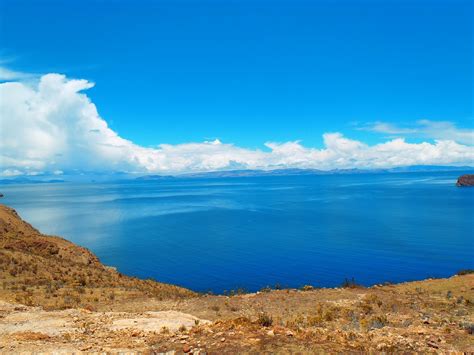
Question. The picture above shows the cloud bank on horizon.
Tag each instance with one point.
(50, 126)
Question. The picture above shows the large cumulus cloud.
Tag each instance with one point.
(52, 125)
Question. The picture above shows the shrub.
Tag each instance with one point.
(469, 328)
(378, 322)
(373, 299)
(265, 320)
(164, 330)
(315, 320)
(465, 272)
(350, 283)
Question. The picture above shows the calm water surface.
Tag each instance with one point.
(221, 234)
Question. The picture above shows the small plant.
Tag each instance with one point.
(238, 291)
(330, 314)
(164, 330)
(182, 328)
(349, 283)
(373, 300)
(265, 320)
(314, 321)
(378, 322)
(465, 272)
(469, 328)
(307, 288)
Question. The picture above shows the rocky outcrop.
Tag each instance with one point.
(465, 180)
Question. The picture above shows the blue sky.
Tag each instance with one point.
(249, 72)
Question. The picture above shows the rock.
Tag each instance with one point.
(289, 333)
(186, 349)
(222, 339)
(432, 344)
(271, 333)
(465, 180)
(279, 330)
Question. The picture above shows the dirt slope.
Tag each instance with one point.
(36, 269)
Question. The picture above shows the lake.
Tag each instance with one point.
(228, 233)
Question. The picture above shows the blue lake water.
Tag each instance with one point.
(222, 234)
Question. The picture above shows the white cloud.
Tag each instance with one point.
(441, 130)
(446, 130)
(52, 126)
(11, 172)
(7, 74)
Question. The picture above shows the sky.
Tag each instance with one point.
(176, 86)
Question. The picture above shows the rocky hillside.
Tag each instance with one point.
(56, 296)
(37, 269)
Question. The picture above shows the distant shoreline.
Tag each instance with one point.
(116, 177)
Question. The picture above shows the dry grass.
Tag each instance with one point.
(49, 271)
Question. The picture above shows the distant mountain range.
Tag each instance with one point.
(293, 172)
(98, 177)
(24, 180)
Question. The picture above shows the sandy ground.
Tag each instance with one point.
(418, 317)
